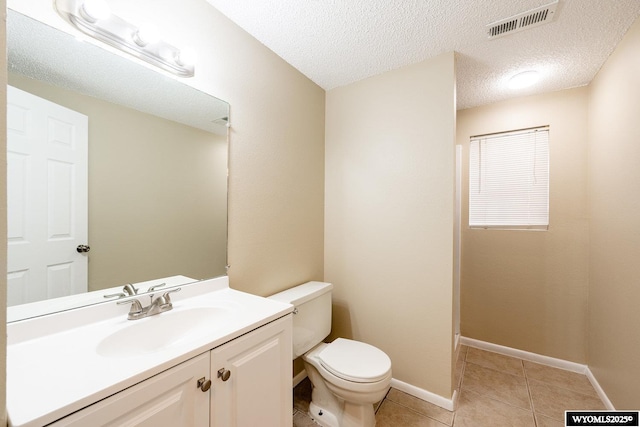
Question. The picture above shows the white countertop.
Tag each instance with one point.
(53, 368)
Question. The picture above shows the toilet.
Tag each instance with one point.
(347, 376)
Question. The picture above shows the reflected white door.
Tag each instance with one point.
(46, 198)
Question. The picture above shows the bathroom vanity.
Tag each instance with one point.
(220, 357)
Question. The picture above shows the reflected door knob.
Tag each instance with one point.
(83, 248)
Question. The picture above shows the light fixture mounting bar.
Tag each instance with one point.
(122, 35)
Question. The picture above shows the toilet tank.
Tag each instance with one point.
(312, 314)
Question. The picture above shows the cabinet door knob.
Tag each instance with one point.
(224, 374)
(204, 384)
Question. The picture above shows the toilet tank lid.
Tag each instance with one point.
(302, 293)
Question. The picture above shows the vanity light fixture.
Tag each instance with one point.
(95, 10)
(146, 34)
(93, 17)
(524, 79)
(187, 55)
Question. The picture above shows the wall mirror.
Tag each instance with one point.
(155, 193)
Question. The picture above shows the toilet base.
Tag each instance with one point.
(322, 417)
(353, 416)
(356, 415)
(338, 403)
(329, 411)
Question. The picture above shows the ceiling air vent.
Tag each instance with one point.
(523, 21)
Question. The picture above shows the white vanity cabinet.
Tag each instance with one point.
(169, 399)
(91, 367)
(252, 379)
(250, 386)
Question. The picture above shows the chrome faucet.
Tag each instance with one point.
(153, 289)
(158, 305)
(128, 290)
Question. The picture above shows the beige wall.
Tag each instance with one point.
(157, 193)
(276, 183)
(570, 292)
(389, 217)
(614, 190)
(276, 165)
(3, 215)
(528, 289)
(276, 158)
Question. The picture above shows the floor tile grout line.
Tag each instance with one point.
(459, 384)
(501, 401)
(498, 400)
(463, 385)
(497, 370)
(527, 378)
(382, 401)
(566, 388)
(561, 386)
(524, 375)
(419, 413)
(524, 361)
(501, 356)
(533, 408)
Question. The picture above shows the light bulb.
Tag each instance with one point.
(187, 56)
(525, 79)
(95, 10)
(146, 34)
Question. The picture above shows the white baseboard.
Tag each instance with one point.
(603, 396)
(300, 377)
(543, 360)
(525, 355)
(448, 404)
(420, 393)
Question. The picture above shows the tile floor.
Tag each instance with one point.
(494, 390)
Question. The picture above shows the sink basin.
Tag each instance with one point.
(162, 331)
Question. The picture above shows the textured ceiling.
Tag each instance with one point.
(337, 42)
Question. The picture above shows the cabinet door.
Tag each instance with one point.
(169, 399)
(252, 379)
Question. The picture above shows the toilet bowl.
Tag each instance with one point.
(347, 376)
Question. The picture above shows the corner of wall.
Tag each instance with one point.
(3, 216)
(389, 212)
(614, 245)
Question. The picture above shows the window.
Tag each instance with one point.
(509, 180)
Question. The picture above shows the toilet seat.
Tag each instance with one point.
(355, 361)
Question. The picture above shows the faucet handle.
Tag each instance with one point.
(129, 289)
(166, 294)
(119, 295)
(136, 307)
(154, 287)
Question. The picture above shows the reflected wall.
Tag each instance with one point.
(157, 192)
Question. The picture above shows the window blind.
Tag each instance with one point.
(509, 180)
